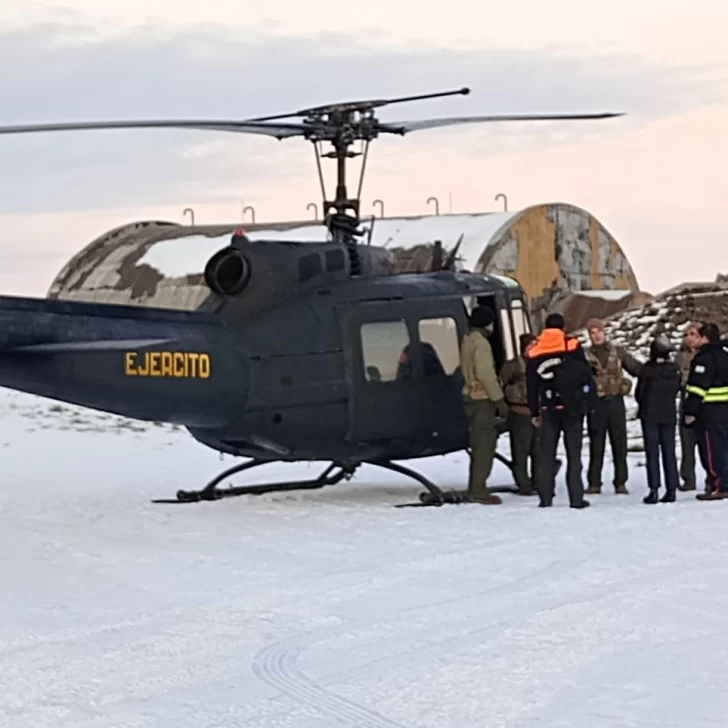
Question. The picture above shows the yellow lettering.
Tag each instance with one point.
(177, 364)
(129, 364)
(167, 364)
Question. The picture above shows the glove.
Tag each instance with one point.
(501, 409)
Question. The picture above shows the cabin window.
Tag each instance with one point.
(309, 266)
(335, 260)
(386, 346)
(440, 344)
(520, 321)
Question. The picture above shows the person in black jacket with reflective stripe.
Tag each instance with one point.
(706, 404)
(658, 385)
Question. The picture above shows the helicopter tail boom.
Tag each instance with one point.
(145, 364)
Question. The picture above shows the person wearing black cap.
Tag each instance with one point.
(561, 391)
(484, 403)
(658, 386)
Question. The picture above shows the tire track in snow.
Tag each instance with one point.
(277, 664)
(285, 675)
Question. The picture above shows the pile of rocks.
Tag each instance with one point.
(668, 313)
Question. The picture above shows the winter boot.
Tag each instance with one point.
(651, 498)
(593, 490)
(486, 500)
(686, 486)
(669, 497)
(712, 495)
(621, 490)
(583, 504)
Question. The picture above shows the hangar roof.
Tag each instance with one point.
(158, 263)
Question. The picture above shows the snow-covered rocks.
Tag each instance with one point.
(669, 313)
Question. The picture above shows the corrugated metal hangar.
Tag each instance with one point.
(552, 250)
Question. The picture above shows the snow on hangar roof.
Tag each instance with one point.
(177, 257)
(161, 264)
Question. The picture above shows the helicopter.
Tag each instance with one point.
(303, 351)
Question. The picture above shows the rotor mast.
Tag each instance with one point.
(342, 125)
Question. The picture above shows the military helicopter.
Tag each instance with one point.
(304, 351)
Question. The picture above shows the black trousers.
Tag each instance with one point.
(609, 418)
(716, 447)
(553, 425)
(659, 440)
(693, 437)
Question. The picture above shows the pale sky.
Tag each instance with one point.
(653, 178)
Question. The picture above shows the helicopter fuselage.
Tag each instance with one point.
(347, 370)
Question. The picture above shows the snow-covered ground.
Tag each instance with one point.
(333, 608)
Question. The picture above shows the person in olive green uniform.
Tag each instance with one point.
(690, 437)
(483, 401)
(608, 364)
(524, 435)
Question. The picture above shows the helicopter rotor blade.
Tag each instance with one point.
(279, 131)
(403, 127)
(362, 105)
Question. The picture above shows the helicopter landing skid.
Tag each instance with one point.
(334, 474)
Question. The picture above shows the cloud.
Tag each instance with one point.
(64, 71)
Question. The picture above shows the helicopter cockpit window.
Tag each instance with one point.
(440, 345)
(382, 346)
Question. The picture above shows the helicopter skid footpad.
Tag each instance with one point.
(446, 497)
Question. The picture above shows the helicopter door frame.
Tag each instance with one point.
(505, 346)
(388, 395)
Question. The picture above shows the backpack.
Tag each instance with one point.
(574, 383)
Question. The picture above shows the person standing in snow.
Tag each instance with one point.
(656, 394)
(484, 403)
(706, 404)
(608, 364)
(561, 391)
(690, 437)
(525, 439)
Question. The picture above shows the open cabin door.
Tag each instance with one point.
(403, 368)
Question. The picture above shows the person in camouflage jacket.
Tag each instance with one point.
(525, 440)
(608, 364)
